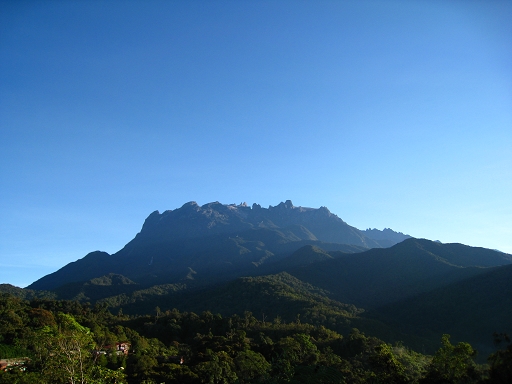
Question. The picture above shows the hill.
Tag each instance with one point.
(400, 286)
(470, 310)
(24, 293)
(269, 296)
(383, 275)
(97, 288)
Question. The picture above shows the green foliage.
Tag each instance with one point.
(501, 361)
(414, 363)
(299, 349)
(24, 293)
(218, 369)
(70, 342)
(102, 375)
(386, 367)
(453, 364)
(11, 351)
(251, 366)
(64, 351)
(20, 377)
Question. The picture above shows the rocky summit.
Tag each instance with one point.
(215, 239)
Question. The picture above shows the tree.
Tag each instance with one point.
(65, 354)
(64, 350)
(452, 364)
(218, 370)
(144, 365)
(251, 366)
(20, 377)
(500, 362)
(299, 349)
(386, 366)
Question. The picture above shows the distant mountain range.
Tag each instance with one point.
(287, 261)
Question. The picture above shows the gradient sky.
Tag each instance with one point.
(393, 114)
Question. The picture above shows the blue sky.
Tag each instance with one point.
(393, 114)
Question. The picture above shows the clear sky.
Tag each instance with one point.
(393, 114)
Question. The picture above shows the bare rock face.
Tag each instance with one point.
(192, 220)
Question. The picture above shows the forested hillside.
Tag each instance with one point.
(413, 292)
(468, 309)
(381, 276)
(48, 341)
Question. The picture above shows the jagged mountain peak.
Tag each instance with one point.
(387, 237)
(190, 204)
(286, 205)
(214, 236)
(193, 220)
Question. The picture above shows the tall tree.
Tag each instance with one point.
(65, 354)
(453, 364)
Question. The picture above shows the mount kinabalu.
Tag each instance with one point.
(287, 261)
(216, 239)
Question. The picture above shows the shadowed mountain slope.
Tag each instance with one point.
(213, 240)
(369, 279)
(470, 310)
(380, 276)
(414, 290)
(97, 288)
(265, 296)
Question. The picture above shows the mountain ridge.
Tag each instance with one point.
(471, 309)
(211, 238)
(379, 276)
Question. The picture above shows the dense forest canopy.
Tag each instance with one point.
(51, 341)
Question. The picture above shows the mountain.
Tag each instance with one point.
(470, 310)
(217, 240)
(383, 275)
(386, 238)
(367, 279)
(286, 261)
(412, 292)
